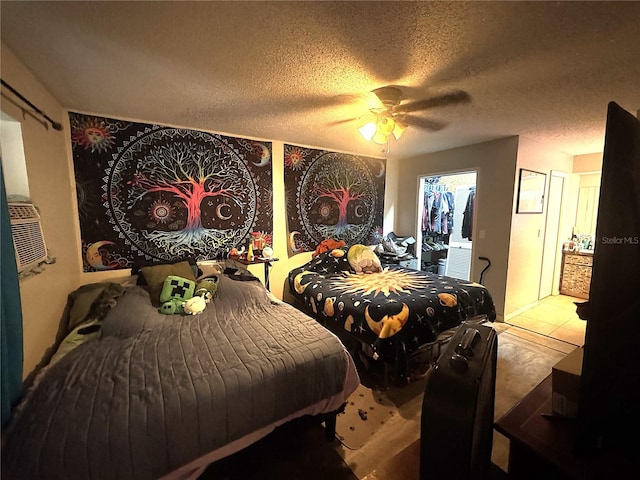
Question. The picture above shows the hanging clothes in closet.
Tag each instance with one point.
(437, 216)
(467, 216)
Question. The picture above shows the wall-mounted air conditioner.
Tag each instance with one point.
(28, 240)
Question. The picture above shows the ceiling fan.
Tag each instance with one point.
(390, 116)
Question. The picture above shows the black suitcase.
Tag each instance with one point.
(456, 428)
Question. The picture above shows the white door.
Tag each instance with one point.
(551, 250)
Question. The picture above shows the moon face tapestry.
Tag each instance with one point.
(332, 195)
(153, 194)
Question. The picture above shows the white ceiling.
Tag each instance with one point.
(292, 71)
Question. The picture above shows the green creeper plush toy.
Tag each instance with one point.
(172, 307)
(175, 291)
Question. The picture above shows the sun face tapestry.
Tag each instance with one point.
(332, 195)
(151, 193)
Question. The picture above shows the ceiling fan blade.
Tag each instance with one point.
(414, 121)
(335, 123)
(388, 96)
(369, 99)
(360, 118)
(438, 101)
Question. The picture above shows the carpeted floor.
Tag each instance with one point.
(299, 450)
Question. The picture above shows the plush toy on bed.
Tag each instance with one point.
(175, 291)
(363, 260)
(328, 245)
(172, 307)
(194, 306)
(207, 288)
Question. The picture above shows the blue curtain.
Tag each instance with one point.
(10, 315)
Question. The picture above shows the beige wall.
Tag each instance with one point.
(496, 165)
(528, 230)
(44, 296)
(590, 163)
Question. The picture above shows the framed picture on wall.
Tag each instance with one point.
(531, 187)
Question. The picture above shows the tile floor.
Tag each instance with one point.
(555, 317)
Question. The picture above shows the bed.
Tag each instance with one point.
(399, 316)
(162, 396)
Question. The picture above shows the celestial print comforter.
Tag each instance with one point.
(395, 310)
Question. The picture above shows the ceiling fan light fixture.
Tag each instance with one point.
(368, 130)
(385, 125)
(380, 138)
(398, 130)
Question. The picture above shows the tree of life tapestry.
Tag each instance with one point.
(332, 195)
(156, 194)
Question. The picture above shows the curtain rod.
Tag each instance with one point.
(54, 125)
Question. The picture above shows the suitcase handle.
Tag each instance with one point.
(469, 338)
(464, 350)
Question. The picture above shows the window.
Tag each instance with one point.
(26, 229)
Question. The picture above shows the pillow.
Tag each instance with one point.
(79, 335)
(363, 260)
(136, 270)
(154, 277)
(177, 287)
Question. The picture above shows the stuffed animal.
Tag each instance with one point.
(328, 245)
(172, 307)
(175, 291)
(177, 287)
(207, 288)
(363, 260)
(194, 306)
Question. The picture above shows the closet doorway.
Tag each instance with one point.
(445, 223)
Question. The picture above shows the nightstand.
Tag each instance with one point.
(257, 261)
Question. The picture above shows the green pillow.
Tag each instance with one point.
(176, 287)
(155, 276)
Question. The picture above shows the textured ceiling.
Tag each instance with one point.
(294, 71)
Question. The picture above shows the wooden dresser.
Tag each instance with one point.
(575, 278)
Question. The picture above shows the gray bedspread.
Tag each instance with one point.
(156, 391)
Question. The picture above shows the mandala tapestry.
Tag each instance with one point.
(332, 195)
(151, 193)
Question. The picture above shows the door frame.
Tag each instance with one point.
(557, 259)
(420, 208)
